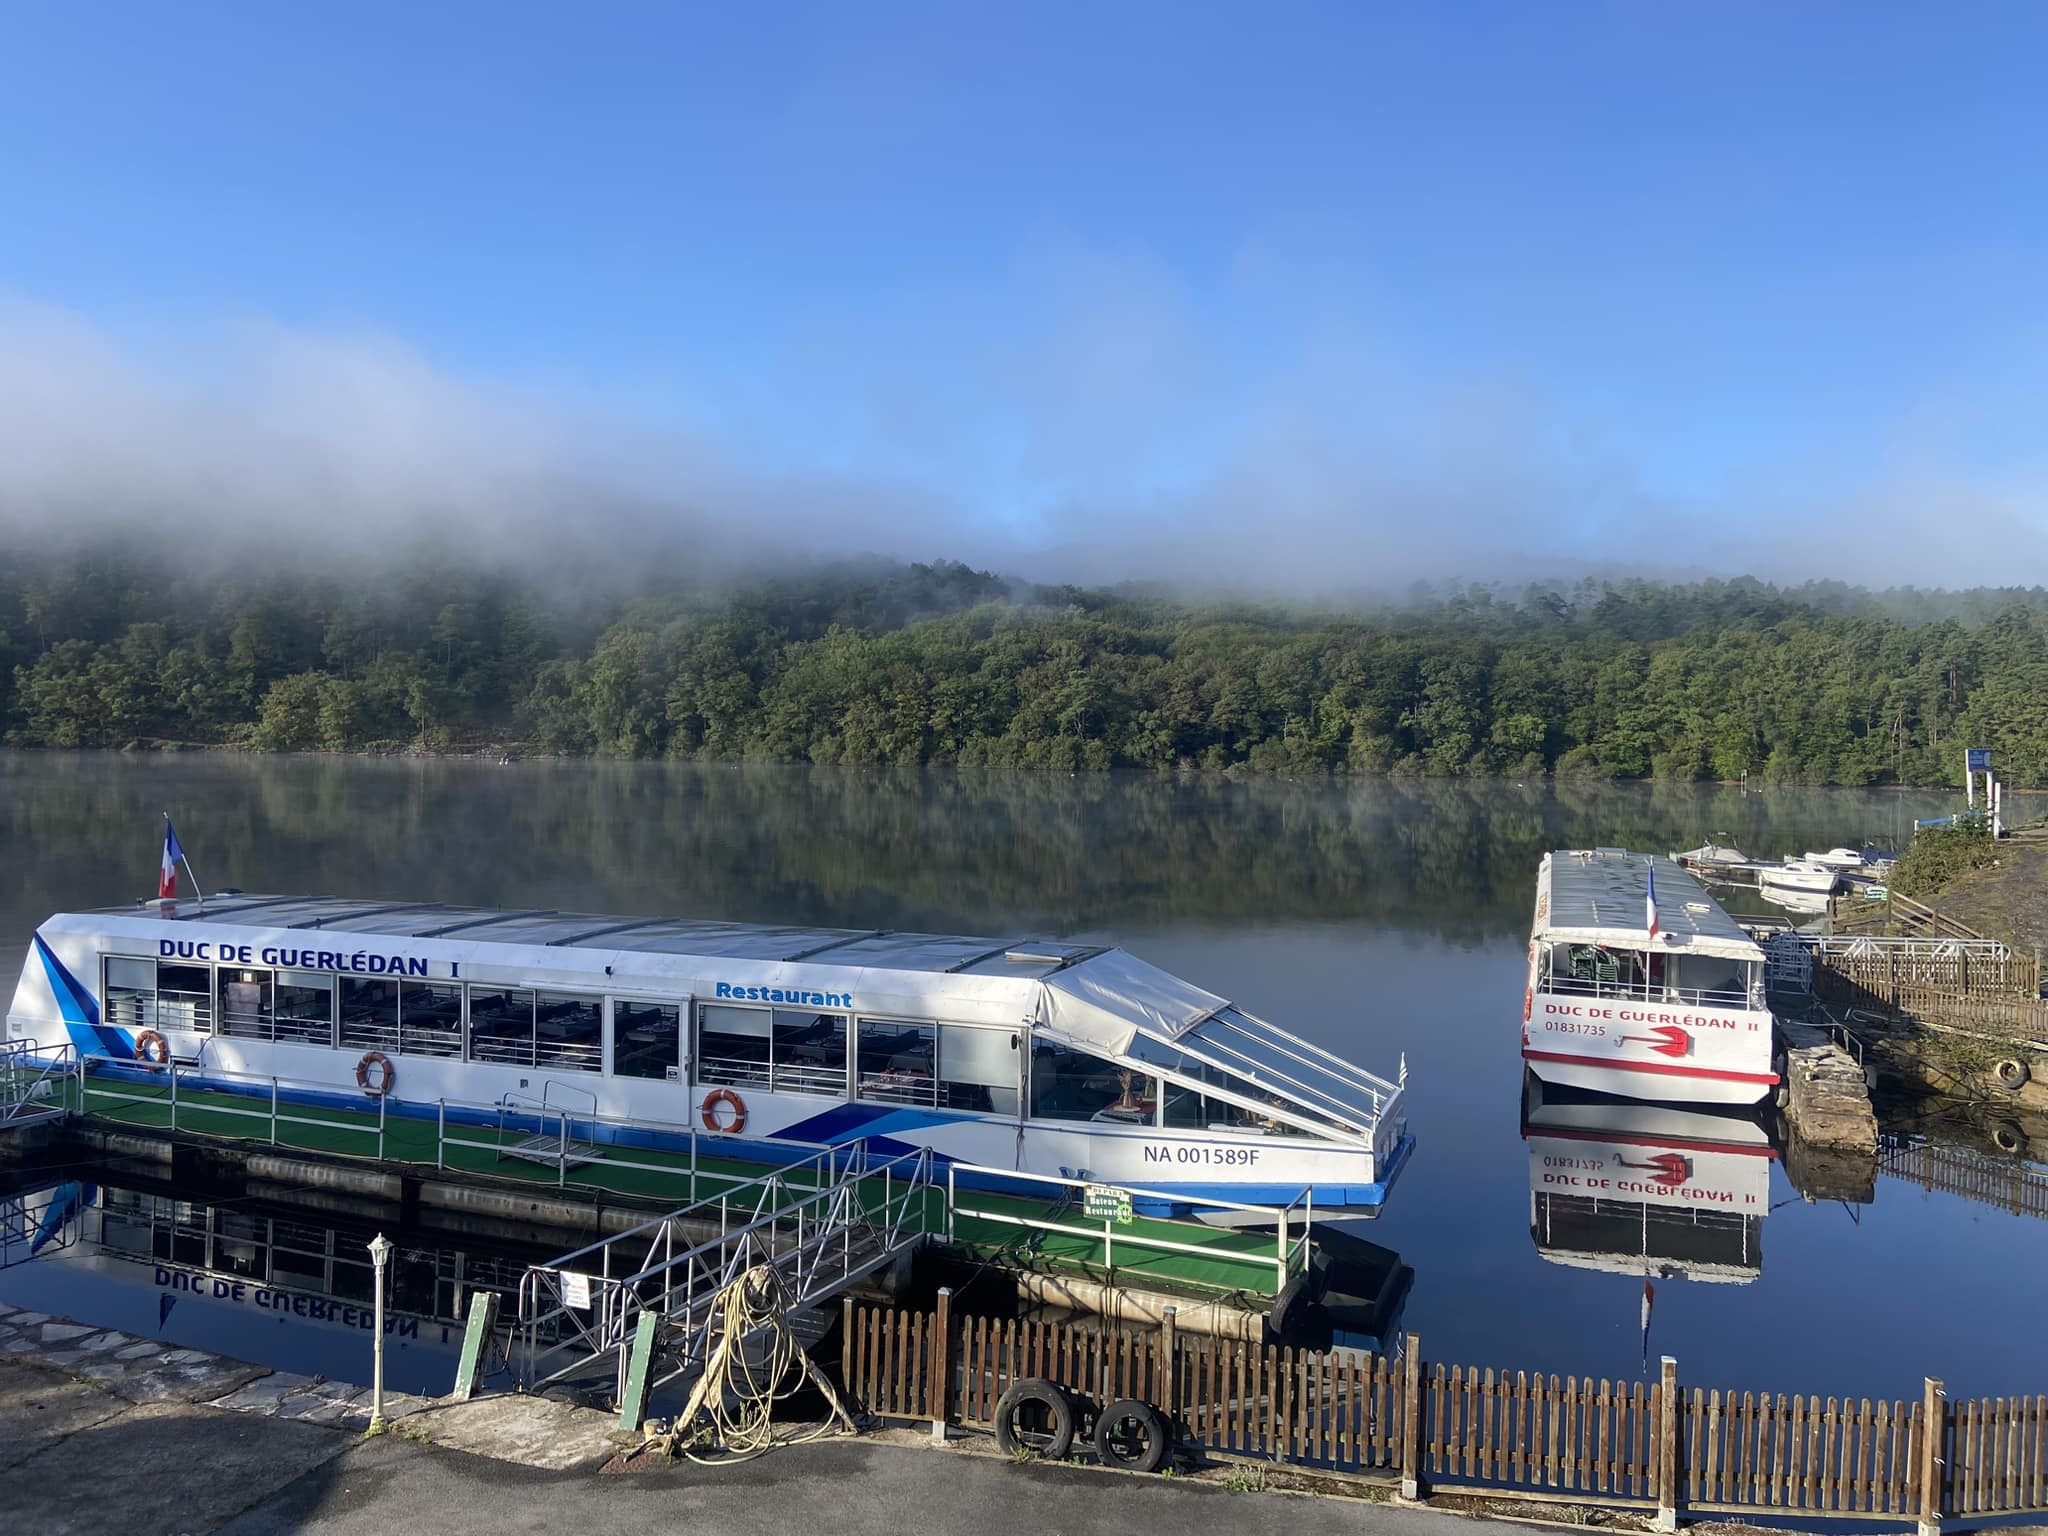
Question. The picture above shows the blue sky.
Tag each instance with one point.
(1547, 272)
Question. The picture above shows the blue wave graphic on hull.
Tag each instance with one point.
(80, 1012)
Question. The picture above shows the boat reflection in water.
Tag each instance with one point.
(1645, 1189)
(257, 1280)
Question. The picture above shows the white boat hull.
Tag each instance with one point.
(1596, 1077)
(1667, 1053)
(1808, 882)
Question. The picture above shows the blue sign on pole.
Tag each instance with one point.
(1977, 759)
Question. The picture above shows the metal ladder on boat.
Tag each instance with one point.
(820, 1225)
(555, 1149)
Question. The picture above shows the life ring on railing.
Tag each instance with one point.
(1528, 1003)
(731, 1101)
(375, 1074)
(152, 1049)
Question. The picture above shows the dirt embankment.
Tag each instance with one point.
(2007, 899)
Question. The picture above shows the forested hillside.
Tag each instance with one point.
(871, 663)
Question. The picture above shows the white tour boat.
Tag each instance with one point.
(1641, 985)
(1061, 1059)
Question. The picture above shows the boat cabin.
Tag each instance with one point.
(1057, 1058)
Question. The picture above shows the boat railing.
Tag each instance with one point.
(1114, 1229)
(34, 1079)
(189, 1096)
(1625, 991)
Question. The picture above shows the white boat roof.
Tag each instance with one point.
(1093, 994)
(1601, 896)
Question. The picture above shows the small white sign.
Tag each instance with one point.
(575, 1290)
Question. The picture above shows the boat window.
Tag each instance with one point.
(569, 1031)
(810, 1052)
(978, 1069)
(303, 1007)
(130, 993)
(732, 1046)
(501, 1025)
(244, 1003)
(369, 1014)
(646, 1040)
(1306, 1079)
(184, 997)
(898, 1062)
(430, 1018)
(1069, 1084)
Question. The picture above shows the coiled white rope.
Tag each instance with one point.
(755, 1363)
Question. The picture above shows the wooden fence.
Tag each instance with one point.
(1525, 1435)
(2008, 1019)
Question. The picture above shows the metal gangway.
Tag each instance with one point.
(820, 1225)
(35, 1082)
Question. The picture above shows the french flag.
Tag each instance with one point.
(167, 878)
(1651, 920)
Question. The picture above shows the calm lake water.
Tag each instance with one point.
(1377, 918)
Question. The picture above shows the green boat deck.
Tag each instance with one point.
(986, 1226)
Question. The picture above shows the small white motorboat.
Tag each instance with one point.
(1810, 876)
(1837, 858)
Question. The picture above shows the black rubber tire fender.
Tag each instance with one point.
(1133, 1435)
(2008, 1138)
(2011, 1073)
(1056, 1442)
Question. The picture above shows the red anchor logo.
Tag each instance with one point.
(1669, 1169)
(1664, 1039)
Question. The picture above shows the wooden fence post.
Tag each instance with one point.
(847, 1384)
(1169, 1343)
(1933, 1434)
(1411, 1419)
(939, 1385)
(1667, 1447)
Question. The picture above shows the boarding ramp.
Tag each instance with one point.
(643, 1305)
(35, 1082)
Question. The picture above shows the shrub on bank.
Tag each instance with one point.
(1938, 855)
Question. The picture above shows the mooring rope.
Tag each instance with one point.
(730, 1415)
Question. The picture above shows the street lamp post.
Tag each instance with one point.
(380, 1254)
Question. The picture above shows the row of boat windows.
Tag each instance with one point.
(778, 1050)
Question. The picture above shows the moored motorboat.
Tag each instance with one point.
(1809, 876)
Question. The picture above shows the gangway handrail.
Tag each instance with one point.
(678, 1288)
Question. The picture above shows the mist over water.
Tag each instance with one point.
(1383, 919)
(1109, 457)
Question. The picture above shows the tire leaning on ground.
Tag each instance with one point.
(1035, 1417)
(1132, 1435)
(2006, 1137)
(2011, 1073)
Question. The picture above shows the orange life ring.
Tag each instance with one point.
(152, 1049)
(386, 1074)
(730, 1100)
(1528, 1003)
